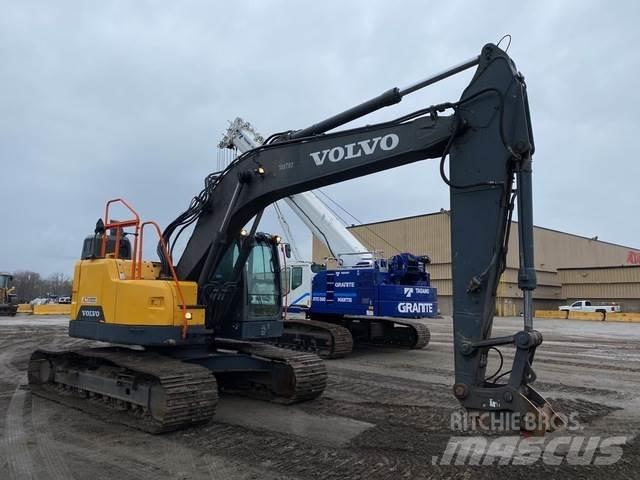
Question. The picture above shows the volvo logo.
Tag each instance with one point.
(91, 313)
(355, 150)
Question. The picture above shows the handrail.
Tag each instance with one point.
(165, 250)
(286, 278)
(136, 257)
(119, 225)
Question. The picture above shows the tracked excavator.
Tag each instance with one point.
(8, 306)
(186, 331)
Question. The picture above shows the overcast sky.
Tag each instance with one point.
(105, 99)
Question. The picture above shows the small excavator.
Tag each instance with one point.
(8, 307)
(198, 326)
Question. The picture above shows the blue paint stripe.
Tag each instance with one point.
(301, 297)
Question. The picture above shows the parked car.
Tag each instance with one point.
(587, 306)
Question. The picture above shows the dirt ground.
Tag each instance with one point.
(385, 414)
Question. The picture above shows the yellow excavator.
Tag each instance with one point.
(189, 330)
(8, 307)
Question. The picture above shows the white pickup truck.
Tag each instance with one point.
(586, 306)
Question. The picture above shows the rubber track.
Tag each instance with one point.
(7, 310)
(191, 392)
(421, 337)
(422, 333)
(341, 339)
(306, 376)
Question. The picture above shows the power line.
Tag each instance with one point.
(355, 218)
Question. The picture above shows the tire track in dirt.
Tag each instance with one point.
(8, 352)
(165, 459)
(182, 463)
(111, 464)
(54, 462)
(173, 460)
(89, 448)
(19, 459)
(382, 388)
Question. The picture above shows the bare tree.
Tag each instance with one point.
(30, 285)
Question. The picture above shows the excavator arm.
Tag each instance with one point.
(488, 139)
(271, 172)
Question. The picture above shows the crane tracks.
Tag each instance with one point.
(335, 337)
(396, 332)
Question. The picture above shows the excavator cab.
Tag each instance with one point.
(245, 302)
(5, 278)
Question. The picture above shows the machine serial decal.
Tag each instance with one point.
(285, 165)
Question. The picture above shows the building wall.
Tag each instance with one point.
(430, 234)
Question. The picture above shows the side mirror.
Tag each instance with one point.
(287, 250)
(317, 267)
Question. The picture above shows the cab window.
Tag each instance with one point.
(262, 283)
(296, 277)
(285, 276)
(225, 268)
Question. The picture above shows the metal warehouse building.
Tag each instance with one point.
(613, 273)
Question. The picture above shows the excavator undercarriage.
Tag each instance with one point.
(143, 390)
(157, 392)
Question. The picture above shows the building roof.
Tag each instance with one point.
(447, 212)
(598, 268)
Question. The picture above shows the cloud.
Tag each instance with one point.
(114, 98)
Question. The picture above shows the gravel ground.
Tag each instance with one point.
(385, 414)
